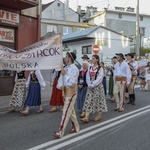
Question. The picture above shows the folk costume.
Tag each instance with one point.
(111, 79)
(133, 65)
(19, 92)
(122, 76)
(56, 97)
(104, 81)
(70, 89)
(81, 91)
(95, 99)
(35, 83)
(147, 79)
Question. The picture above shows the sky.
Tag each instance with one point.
(143, 4)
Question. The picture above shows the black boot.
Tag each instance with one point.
(130, 99)
(133, 97)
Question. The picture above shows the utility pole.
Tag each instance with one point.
(137, 30)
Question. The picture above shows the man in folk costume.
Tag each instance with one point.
(122, 79)
(70, 78)
(133, 65)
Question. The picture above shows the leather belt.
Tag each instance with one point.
(120, 79)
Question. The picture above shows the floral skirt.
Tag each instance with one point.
(19, 94)
(95, 100)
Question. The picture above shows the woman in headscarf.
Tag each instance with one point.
(82, 87)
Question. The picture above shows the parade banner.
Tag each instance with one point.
(46, 54)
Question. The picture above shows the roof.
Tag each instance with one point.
(85, 33)
(79, 34)
(46, 5)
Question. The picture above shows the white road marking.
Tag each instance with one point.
(87, 129)
(95, 131)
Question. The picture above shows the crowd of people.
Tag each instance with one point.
(85, 87)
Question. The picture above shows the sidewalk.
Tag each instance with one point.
(4, 100)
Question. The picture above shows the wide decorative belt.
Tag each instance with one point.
(34, 81)
(69, 91)
(120, 79)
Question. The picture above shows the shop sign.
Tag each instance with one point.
(9, 17)
(6, 35)
(102, 43)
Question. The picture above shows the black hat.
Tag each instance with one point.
(129, 54)
(85, 56)
(121, 55)
(114, 57)
(72, 55)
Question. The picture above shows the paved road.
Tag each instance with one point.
(20, 132)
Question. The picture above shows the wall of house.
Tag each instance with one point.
(127, 23)
(27, 32)
(121, 26)
(114, 43)
(60, 12)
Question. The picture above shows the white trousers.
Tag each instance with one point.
(69, 113)
(119, 93)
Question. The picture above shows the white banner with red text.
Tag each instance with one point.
(43, 55)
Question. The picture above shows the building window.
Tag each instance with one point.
(142, 31)
(141, 18)
(80, 29)
(67, 30)
(51, 28)
(120, 16)
(87, 49)
(58, 4)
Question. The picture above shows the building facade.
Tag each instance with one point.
(19, 27)
(59, 18)
(123, 20)
(109, 42)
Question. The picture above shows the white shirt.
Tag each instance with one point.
(70, 78)
(39, 77)
(135, 66)
(98, 80)
(147, 74)
(122, 70)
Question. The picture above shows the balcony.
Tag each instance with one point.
(19, 4)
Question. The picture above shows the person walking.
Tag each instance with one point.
(133, 65)
(122, 79)
(56, 99)
(147, 77)
(104, 78)
(82, 87)
(142, 72)
(68, 84)
(19, 92)
(111, 79)
(95, 101)
(35, 83)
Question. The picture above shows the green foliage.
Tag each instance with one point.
(143, 51)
